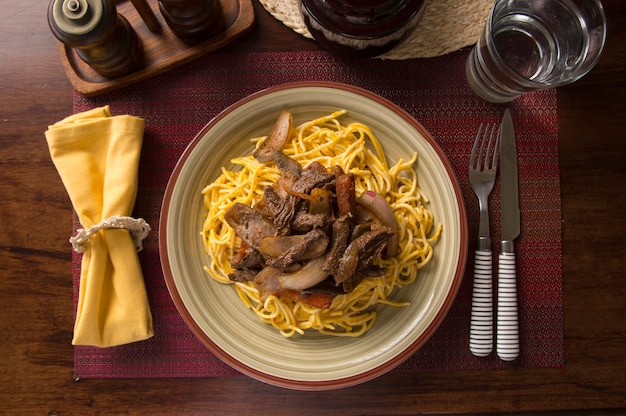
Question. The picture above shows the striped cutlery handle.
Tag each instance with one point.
(507, 336)
(481, 327)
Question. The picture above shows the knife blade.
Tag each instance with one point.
(507, 331)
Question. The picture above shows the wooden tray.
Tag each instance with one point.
(163, 50)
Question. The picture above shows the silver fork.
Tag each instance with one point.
(482, 175)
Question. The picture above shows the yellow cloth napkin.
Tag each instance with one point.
(97, 156)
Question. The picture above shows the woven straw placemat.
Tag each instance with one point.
(446, 26)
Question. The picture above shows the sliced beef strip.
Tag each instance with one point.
(347, 264)
(328, 286)
(340, 234)
(361, 252)
(304, 222)
(246, 258)
(315, 241)
(369, 271)
(249, 224)
(242, 275)
(372, 244)
(290, 171)
(281, 209)
(313, 176)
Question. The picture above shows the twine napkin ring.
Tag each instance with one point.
(137, 227)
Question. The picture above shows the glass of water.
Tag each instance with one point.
(529, 45)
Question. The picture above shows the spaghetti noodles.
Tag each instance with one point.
(356, 150)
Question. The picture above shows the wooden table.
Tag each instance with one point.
(36, 288)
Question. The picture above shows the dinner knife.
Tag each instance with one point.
(507, 331)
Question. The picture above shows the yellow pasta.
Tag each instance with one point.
(356, 150)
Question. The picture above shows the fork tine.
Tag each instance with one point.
(484, 154)
(475, 153)
(491, 155)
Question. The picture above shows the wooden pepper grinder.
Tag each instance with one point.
(193, 20)
(101, 37)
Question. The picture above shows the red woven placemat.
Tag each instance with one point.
(176, 105)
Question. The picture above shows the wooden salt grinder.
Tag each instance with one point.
(101, 37)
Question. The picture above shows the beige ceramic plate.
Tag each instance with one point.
(214, 312)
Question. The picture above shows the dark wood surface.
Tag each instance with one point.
(35, 270)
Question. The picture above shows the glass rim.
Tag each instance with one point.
(600, 32)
